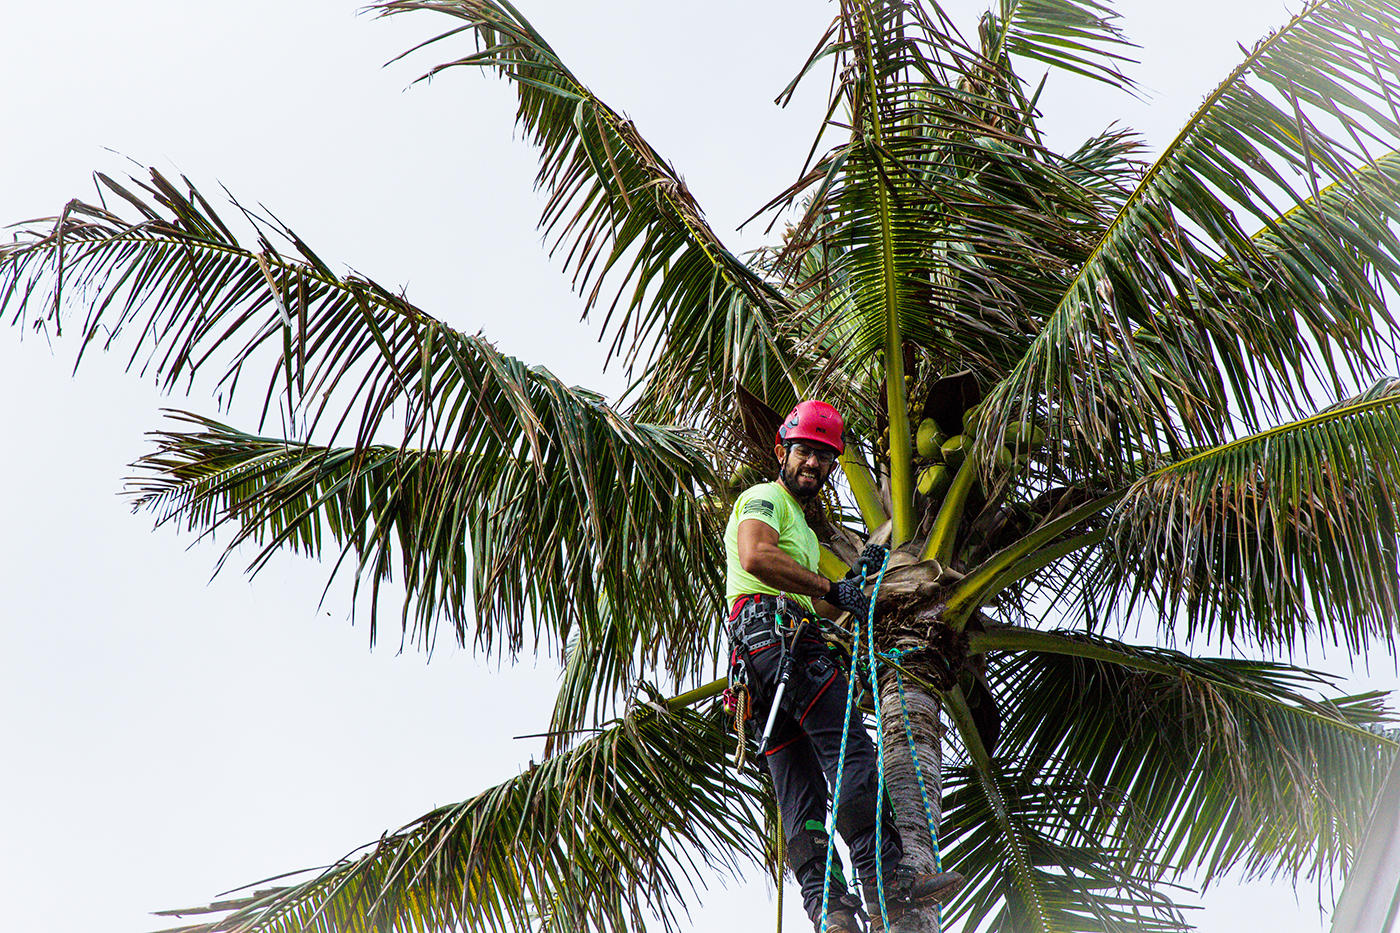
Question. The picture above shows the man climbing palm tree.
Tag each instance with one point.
(1081, 380)
(770, 582)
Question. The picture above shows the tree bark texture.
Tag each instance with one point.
(903, 784)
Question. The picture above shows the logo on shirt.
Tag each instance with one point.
(758, 507)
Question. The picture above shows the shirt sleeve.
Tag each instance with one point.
(758, 503)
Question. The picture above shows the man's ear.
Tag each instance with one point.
(780, 453)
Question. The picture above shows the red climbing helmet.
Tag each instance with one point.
(813, 421)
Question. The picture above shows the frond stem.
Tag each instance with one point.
(698, 695)
(1006, 566)
(864, 488)
(944, 535)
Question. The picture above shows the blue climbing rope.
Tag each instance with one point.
(879, 745)
(836, 791)
(894, 656)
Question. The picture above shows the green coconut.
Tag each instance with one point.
(935, 480)
(1024, 436)
(930, 440)
(954, 449)
(971, 418)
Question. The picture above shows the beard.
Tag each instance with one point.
(802, 481)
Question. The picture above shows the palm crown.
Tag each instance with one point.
(1078, 385)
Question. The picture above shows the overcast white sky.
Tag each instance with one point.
(166, 737)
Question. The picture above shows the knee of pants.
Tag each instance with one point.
(858, 817)
(806, 844)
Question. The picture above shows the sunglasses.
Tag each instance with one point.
(824, 457)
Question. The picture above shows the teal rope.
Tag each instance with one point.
(879, 744)
(782, 833)
(836, 791)
(894, 656)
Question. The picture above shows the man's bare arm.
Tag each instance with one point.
(760, 555)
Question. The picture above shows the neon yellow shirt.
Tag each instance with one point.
(773, 505)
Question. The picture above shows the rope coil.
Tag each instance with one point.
(741, 714)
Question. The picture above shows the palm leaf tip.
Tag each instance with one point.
(1082, 37)
(1278, 534)
(605, 835)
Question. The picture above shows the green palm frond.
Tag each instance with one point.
(887, 249)
(1192, 763)
(885, 208)
(188, 297)
(560, 538)
(625, 222)
(1154, 762)
(1339, 218)
(176, 284)
(1078, 36)
(194, 297)
(1065, 861)
(943, 224)
(603, 837)
(1308, 107)
(1286, 532)
(878, 207)
(1032, 862)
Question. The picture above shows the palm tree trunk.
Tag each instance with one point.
(923, 710)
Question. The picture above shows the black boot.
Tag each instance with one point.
(906, 888)
(844, 916)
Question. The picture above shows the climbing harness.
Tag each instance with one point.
(761, 622)
(895, 657)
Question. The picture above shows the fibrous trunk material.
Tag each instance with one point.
(900, 778)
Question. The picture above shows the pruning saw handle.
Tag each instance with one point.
(784, 675)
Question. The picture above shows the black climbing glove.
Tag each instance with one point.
(872, 558)
(847, 595)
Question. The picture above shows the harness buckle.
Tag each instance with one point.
(765, 614)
